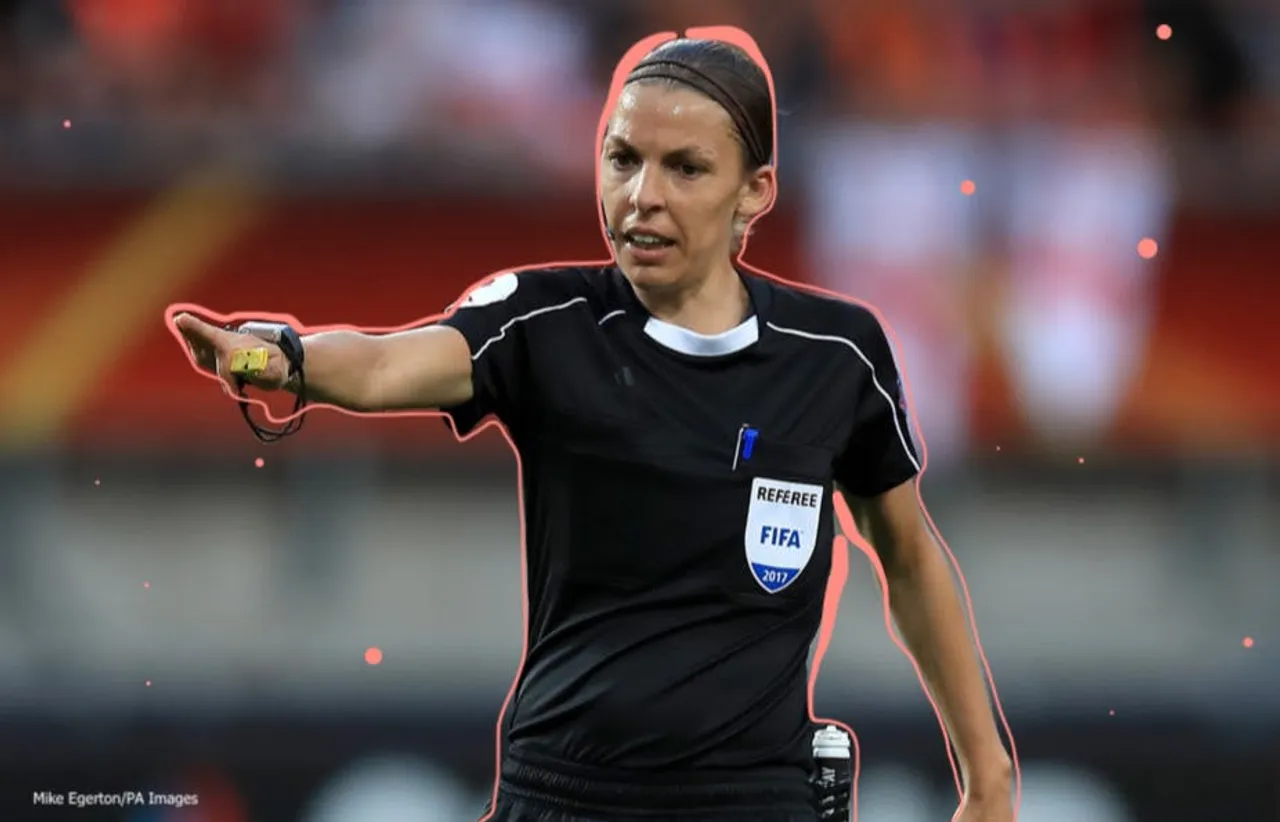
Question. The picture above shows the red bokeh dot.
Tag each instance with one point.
(1164, 31)
(1080, 460)
(148, 683)
(259, 462)
(373, 656)
(1147, 248)
(66, 124)
(967, 188)
(146, 584)
(1248, 642)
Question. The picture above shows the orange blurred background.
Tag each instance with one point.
(1208, 381)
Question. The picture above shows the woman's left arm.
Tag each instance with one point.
(934, 626)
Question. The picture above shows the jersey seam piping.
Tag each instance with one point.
(893, 409)
(502, 332)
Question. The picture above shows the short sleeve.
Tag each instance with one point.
(881, 453)
(490, 318)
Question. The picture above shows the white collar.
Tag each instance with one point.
(681, 339)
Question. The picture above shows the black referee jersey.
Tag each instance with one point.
(678, 512)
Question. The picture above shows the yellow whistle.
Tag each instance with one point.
(249, 363)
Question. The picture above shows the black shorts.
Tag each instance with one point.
(529, 792)
(517, 809)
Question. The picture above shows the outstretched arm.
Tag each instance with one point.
(421, 369)
(935, 628)
(424, 368)
(470, 364)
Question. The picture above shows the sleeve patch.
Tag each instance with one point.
(494, 291)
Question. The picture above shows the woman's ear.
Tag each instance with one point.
(757, 193)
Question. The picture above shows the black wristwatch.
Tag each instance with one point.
(289, 341)
(285, 336)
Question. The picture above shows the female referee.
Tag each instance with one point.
(681, 425)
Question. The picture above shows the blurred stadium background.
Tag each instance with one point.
(1089, 330)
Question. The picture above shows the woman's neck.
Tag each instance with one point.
(715, 304)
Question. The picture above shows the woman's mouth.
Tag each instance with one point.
(647, 247)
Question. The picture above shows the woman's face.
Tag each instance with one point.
(672, 171)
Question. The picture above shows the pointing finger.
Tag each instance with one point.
(197, 330)
(203, 341)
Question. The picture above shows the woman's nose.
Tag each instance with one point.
(646, 190)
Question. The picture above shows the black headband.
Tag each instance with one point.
(708, 86)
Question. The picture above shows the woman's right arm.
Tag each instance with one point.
(425, 368)
(420, 369)
(472, 362)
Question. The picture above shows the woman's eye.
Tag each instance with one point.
(690, 170)
(619, 160)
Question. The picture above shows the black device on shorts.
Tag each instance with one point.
(290, 344)
(833, 777)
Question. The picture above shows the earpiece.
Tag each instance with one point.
(608, 229)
